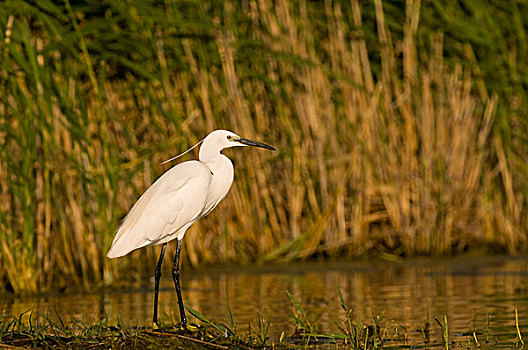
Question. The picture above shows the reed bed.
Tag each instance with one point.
(386, 137)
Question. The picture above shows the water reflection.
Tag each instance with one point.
(409, 293)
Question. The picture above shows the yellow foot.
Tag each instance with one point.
(192, 327)
(155, 325)
(189, 327)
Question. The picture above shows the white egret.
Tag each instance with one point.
(184, 194)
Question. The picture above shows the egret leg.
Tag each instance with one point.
(176, 277)
(157, 276)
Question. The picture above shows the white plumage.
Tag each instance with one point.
(166, 210)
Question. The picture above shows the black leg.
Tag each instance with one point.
(176, 277)
(157, 276)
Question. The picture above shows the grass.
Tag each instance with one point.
(377, 333)
(111, 337)
(400, 129)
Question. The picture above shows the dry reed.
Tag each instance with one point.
(400, 160)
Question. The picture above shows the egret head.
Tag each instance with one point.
(220, 139)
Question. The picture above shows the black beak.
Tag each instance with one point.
(254, 143)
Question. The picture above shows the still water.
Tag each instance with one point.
(476, 294)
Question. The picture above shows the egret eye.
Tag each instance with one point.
(229, 137)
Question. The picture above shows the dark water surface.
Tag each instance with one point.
(476, 294)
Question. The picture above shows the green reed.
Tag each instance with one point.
(399, 129)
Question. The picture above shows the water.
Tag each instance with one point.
(476, 294)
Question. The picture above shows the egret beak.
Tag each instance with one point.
(254, 143)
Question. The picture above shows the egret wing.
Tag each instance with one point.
(171, 204)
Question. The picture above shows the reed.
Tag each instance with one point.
(385, 135)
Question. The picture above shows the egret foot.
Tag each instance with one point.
(193, 327)
(188, 327)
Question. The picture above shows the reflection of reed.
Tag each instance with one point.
(382, 150)
(407, 295)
